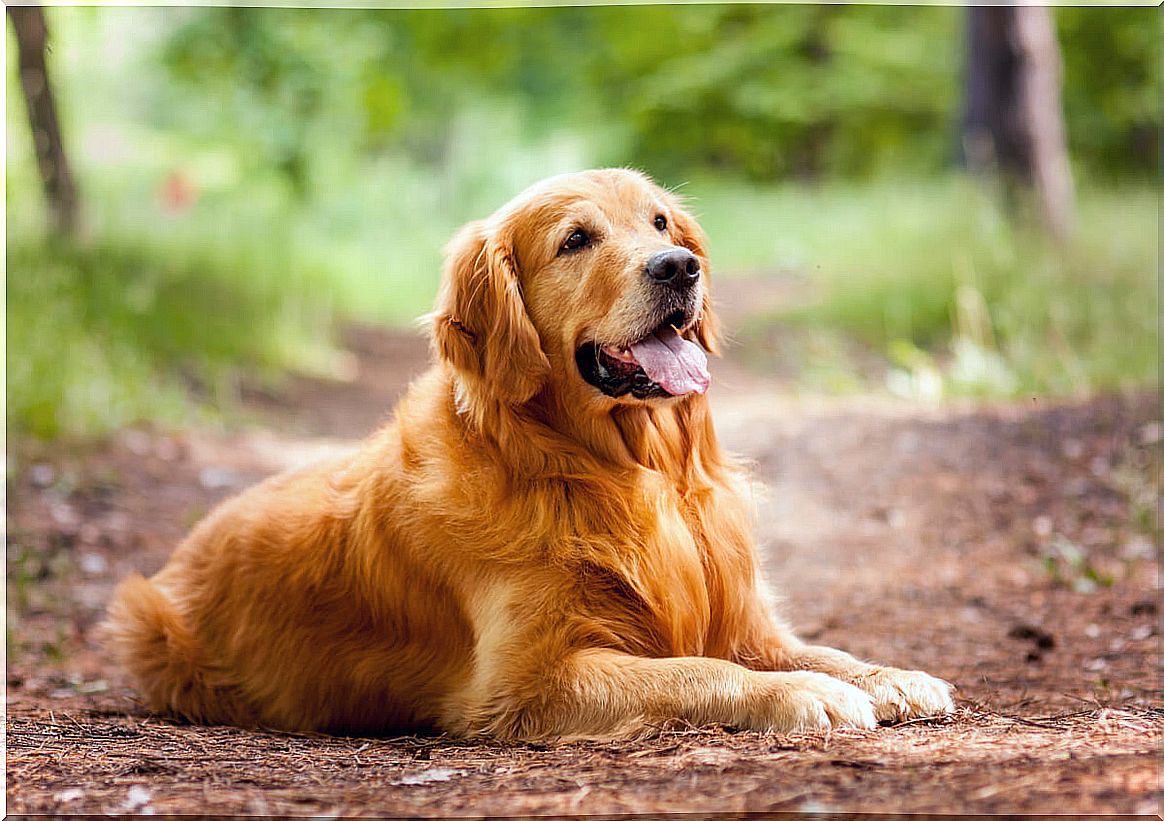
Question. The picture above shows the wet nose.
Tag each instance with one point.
(677, 268)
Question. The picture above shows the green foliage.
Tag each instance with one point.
(1111, 90)
(282, 92)
(109, 334)
(763, 91)
(773, 91)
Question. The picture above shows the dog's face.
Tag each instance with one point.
(591, 284)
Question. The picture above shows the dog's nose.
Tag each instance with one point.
(677, 268)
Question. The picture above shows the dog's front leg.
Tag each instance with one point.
(598, 693)
(898, 695)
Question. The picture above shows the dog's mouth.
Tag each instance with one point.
(660, 364)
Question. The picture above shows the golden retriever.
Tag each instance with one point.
(546, 542)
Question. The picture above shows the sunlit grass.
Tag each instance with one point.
(106, 334)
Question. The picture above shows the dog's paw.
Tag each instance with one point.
(814, 702)
(899, 695)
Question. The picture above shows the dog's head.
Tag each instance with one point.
(591, 284)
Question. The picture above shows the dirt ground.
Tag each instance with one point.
(1008, 548)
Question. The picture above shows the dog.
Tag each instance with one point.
(546, 542)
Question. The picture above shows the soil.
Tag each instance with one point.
(1008, 548)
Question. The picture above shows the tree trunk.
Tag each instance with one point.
(31, 36)
(1014, 113)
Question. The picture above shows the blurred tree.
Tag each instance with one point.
(28, 24)
(1014, 112)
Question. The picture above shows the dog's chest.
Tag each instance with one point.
(665, 596)
(680, 596)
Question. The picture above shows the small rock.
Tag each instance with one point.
(136, 800)
(64, 515)
(969, 614)
(429, 776)
(1072, 449)
(41, 475)
(93, 564)
(1043, 526)
(1143, 631)
(71, 794)
(1151, 433)
(1091, 631)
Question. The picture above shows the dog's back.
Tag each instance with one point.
(293, 606)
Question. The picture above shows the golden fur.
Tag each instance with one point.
(516, 554)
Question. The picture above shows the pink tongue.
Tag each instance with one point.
(679, 366)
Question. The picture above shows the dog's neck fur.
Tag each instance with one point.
(543, 439)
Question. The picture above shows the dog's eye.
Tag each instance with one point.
(577, 239)
(660, 222)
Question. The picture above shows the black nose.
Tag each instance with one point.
(678, 268)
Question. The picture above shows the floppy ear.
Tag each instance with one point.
(690, 236)
(480, 325)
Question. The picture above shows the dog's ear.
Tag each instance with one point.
(480, 325)
(690, 236)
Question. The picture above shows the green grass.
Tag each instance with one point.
(106, 334)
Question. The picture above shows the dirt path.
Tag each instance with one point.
(1007, 549)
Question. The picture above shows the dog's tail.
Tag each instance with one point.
(148, 635)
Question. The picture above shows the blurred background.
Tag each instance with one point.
(929, 202)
